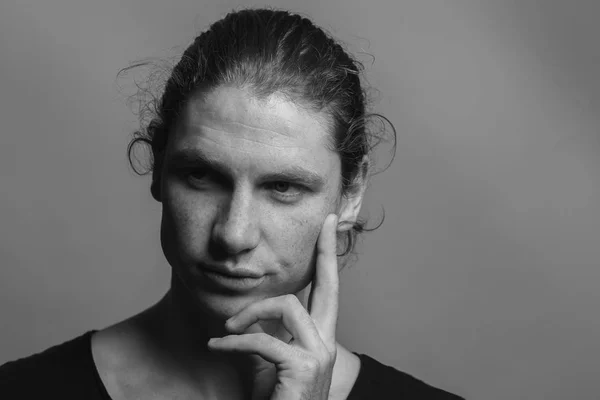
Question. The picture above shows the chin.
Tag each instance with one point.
(222, 307)
(194, 293)
(213, 304)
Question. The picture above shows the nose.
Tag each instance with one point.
(235, 230)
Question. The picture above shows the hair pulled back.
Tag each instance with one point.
(270, 51)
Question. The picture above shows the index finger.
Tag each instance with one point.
(324, 295)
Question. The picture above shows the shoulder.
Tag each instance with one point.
(60, 369)
(377, 380)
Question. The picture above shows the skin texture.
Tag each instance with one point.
(281, 345)
(302, 368)
(236, 218)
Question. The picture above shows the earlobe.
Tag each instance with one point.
(352, 203)
(155, 186)
(155, 190)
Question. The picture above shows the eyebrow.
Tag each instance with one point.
(292, 173)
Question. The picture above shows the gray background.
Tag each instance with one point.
(483, 279)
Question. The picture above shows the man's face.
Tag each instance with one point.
(225, 207)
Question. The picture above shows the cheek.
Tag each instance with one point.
(297, 243)
(184, 223)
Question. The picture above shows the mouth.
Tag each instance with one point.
(233, 280)
(241, 273)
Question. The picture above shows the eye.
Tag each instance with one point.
(281, 186)
(198, 174)
(195, 176)
(282, 189)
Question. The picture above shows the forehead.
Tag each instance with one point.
(231, 120)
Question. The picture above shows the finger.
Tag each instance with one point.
(257, 328)
(324, 296)
(293, 315)
(254, 359)
(254, 328)
(262, 344)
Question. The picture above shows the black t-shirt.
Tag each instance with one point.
(67, 371)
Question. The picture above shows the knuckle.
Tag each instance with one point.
(309, 365)
(263, 339)
(291, 301)
(328, 356)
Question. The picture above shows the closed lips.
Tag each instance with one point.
(238, 273)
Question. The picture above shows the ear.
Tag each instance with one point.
(351, 203)
(155, 186)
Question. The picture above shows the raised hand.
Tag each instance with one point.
(303, 367)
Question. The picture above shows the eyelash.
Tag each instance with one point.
(299, 188)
